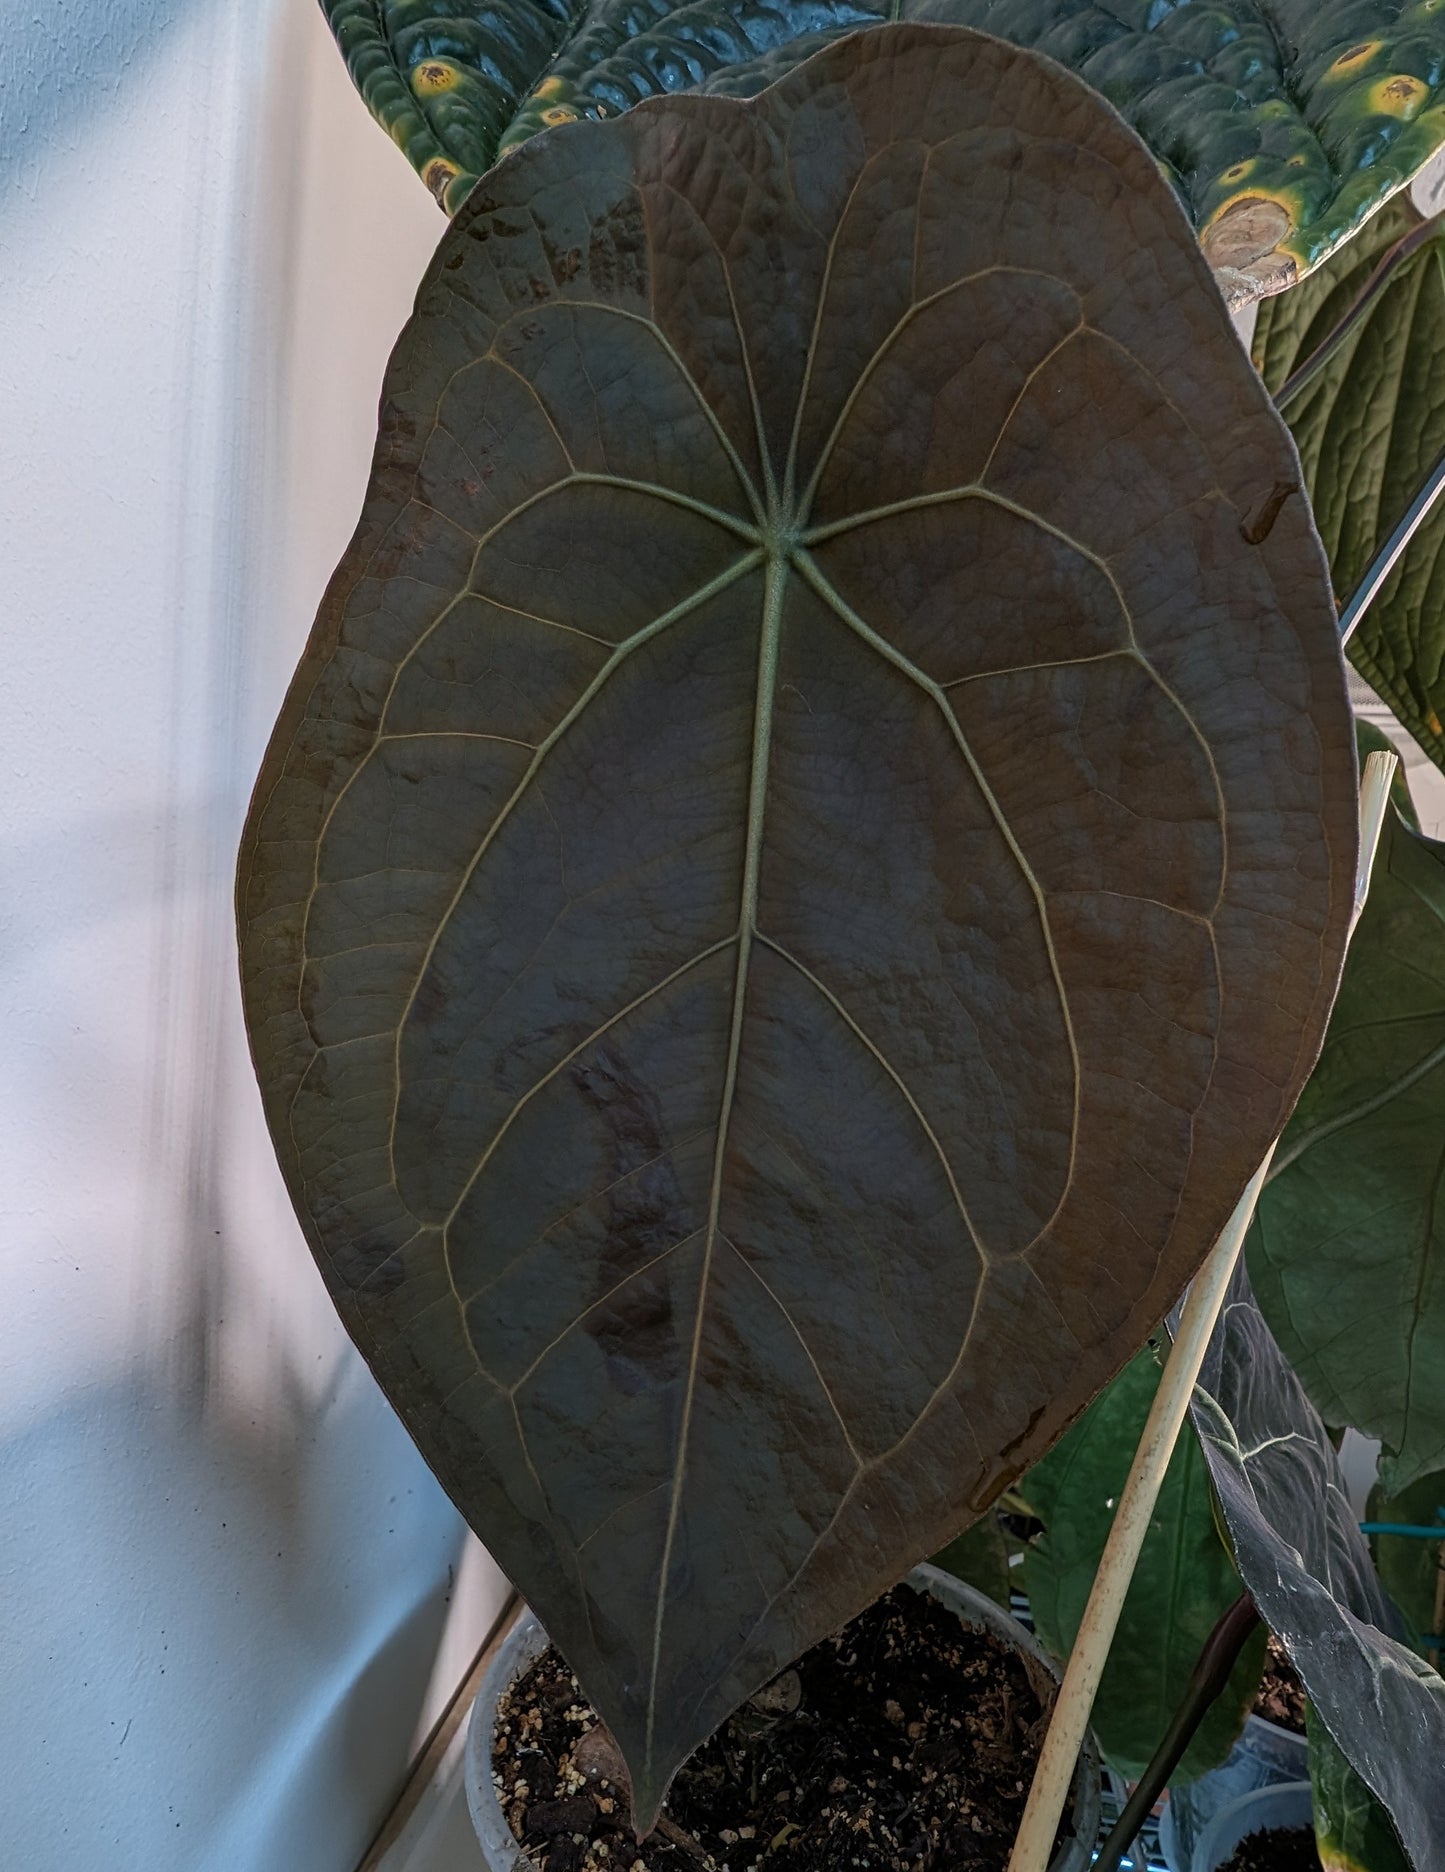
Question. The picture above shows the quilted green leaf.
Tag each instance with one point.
(1283, 123)
(1368, 427)
(1347, 1254)
(779, 914)
(1184, 1582)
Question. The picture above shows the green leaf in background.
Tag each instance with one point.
(1347, 1253)
(738, 947)
(1184, 1582)
(1414, 1570)
(1282, 125)
(980, 1555)
(1368, 427)
(1352, 1830)
(1300, 1551)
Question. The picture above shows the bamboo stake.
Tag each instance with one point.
(1034, 1844)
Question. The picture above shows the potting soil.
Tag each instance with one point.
(1281, 1697)
(904, 1744)
(1277, 1849)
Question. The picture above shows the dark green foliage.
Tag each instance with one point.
(1282, 126)
(1368, 428)
(1347, 1253)
(1301, 1554)
(1411, 1568)
(1184, 1582)
(980, 1555)
(1352, 1830)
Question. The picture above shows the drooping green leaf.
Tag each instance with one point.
(809, 850)
(1369, 426)
(1185, 1580)
(980, 1556)
(1303, 1557)
(1347, 1253)
(1412, 1568)
(1282, 125)
(1352, 1830)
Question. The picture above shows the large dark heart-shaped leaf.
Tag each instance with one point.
(1369, 425)
(1282, 125)
(809, 850)
(1347, 1253)
(1302, 1555)
(1184, 1583)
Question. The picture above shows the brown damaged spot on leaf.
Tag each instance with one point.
(1257, 522)
(1242, 245)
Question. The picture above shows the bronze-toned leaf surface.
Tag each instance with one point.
(1283, 124)
(807, 856)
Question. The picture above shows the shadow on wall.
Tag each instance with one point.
(223, 1567)
(61, 67)
(165, 1750)
(223, 1564)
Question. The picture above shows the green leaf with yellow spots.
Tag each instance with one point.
(1368, 426)
(1283, 126)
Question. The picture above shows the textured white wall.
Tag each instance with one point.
(224, 1573)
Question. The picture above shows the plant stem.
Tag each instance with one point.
(1210, 1674)
(1035, 1841)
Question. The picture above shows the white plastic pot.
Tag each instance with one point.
(527, 1640)
(1265, 1756)
(1285, 1805)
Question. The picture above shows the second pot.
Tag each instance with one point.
(1265, 1756)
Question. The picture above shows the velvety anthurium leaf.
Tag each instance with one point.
(1302, 1555)
(1369, 426)
(1185, 1580)
(1347, 1252)
(809, 851)
(1282, 126)
(1352, 1830)
(1413, 1569)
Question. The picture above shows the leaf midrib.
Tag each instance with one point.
(769, 638)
